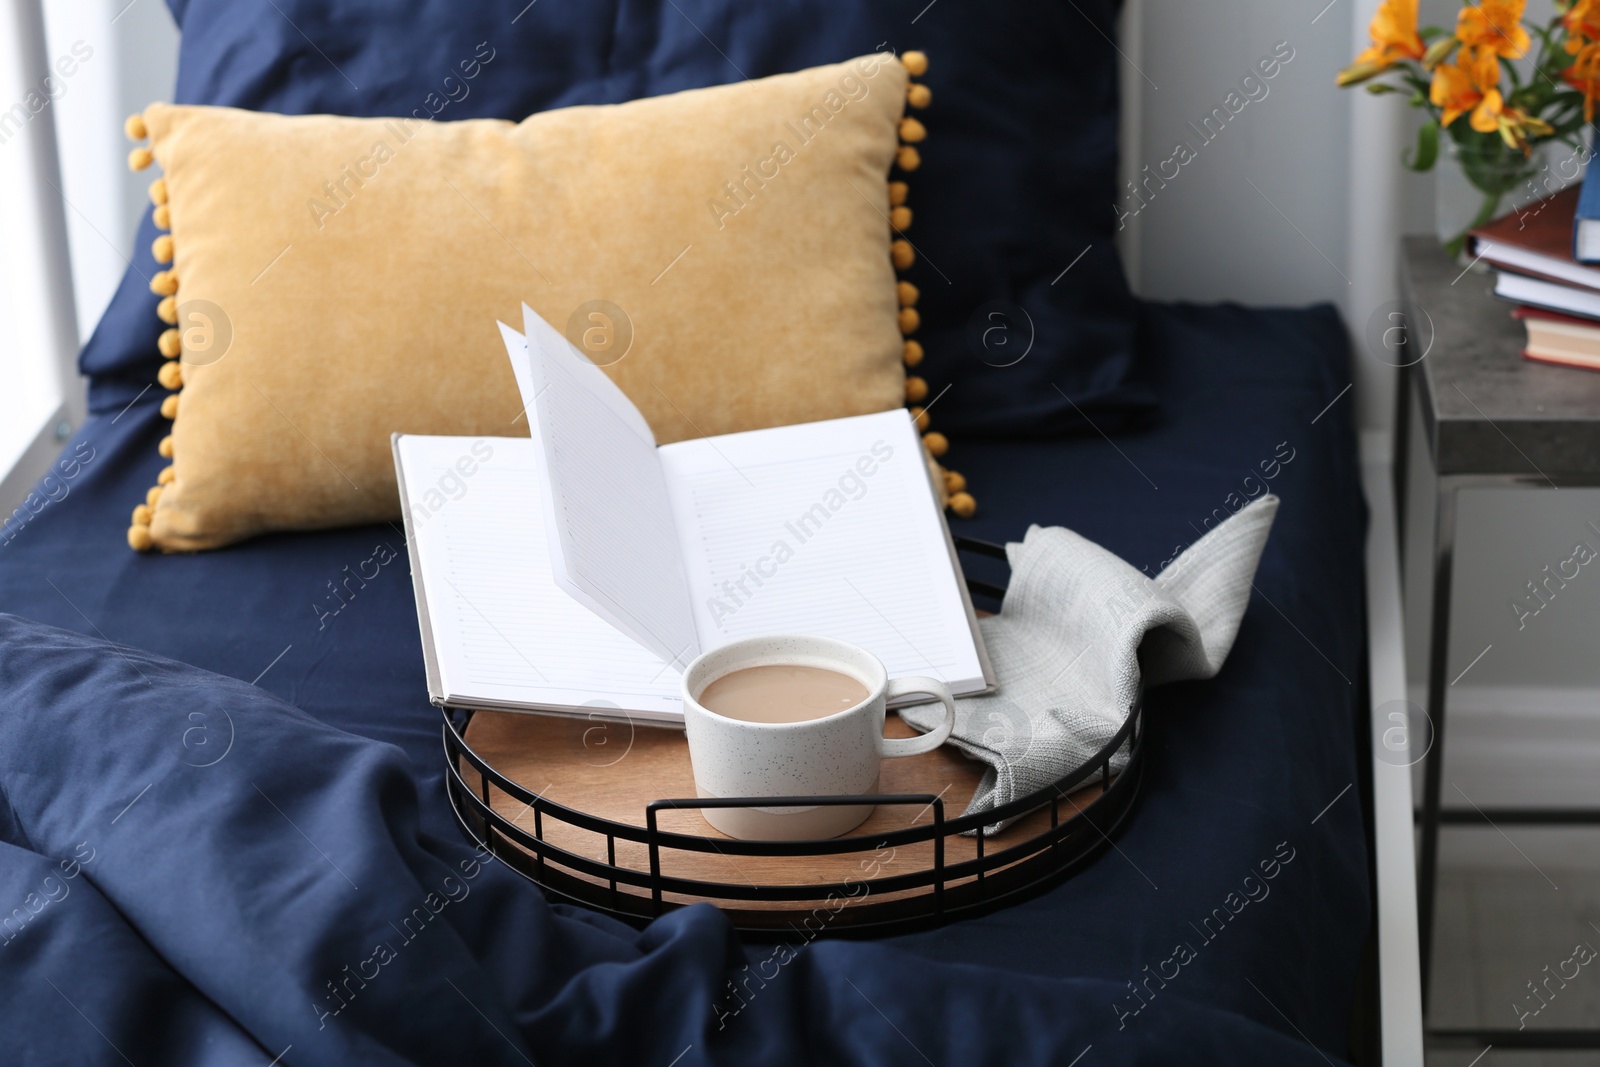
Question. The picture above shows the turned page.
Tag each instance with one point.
(613, 542)
(827, 528)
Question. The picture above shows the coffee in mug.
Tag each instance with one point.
(794, 716)
(782, 692)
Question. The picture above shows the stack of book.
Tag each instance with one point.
(1546, 257)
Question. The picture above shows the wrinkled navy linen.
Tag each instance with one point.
(284, 899)
(218, 906)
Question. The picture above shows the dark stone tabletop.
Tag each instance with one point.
(1485, 409)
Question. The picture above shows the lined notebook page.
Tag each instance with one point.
(504, 632)
(617, 547)
(827, 528)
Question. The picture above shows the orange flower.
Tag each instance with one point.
(1582, 22)
(1584, 75)
(1486, 116)
(1394, 34)
(1454, 90)
(1495, 26)
(1469, 84)
(1459, 88)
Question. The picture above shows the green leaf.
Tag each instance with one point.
(1427, 148)
(1428, 33)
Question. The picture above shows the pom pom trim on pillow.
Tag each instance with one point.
(952, 486)
(165, 283)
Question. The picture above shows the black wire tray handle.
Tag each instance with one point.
(937, 892)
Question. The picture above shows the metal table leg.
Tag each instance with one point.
(1400, 459)
(1438, 655)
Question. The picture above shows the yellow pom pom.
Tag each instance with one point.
(913, 353)
(900, 251)
(897, 193)
(139, 538)
(921, 418)
(171, 375)
(161, 248)
(916, 389)
(912, 131)
(916, 63)
(963, 505)
(908, 158)
(140, 158)
(953, 482)
(152, 495)
(170, 343)
(167, 310)
(162, 217)
(919, 95)
(166, 476)
(164, 283)
(900, 218)
(906, 293)
(169, 407)
(158, 191)
(938, 444)
(142, 515)
(135, 128)
(909, 320)
(165, 447)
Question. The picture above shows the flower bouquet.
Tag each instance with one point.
(1494, 113)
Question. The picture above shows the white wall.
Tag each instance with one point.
(1262, 213)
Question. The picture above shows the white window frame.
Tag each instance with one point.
(37, 240)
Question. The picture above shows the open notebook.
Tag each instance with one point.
(581, 569)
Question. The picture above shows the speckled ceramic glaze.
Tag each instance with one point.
(837, 755)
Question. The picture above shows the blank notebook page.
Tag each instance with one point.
(826, 528)
(608, 503)
(504, 630)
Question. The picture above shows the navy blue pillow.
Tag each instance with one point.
(1017, 182)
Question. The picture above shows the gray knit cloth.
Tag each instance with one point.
(1068, 644)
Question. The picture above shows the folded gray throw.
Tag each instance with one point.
(1077, 625)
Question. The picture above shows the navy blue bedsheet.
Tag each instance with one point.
(1224, 926)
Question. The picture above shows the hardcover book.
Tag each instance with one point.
(1562, 339)
(1586, 224)
(579, 570)
(1536, 240)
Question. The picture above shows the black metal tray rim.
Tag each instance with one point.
(1099, 763)
(939, 872)
(1042, 860)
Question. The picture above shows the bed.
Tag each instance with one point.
(208, 830)
(1255, 766)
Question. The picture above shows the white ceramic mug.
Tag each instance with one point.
(836, 755)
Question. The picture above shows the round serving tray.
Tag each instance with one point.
(604, 814)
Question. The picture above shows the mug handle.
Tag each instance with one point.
(890, 747)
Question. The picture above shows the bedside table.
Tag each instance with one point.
(1483, 417)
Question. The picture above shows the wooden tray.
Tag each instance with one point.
(570, 771)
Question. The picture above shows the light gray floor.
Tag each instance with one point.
(1500, 926)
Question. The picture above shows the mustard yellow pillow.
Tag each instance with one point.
(726, 253)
